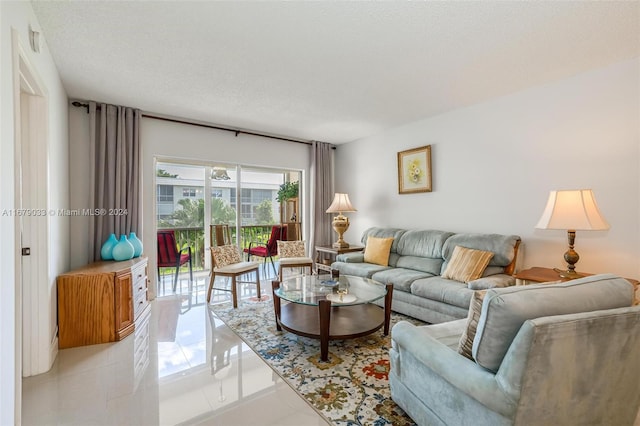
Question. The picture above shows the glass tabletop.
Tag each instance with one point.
(343, 290)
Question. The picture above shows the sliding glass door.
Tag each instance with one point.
(192, 197)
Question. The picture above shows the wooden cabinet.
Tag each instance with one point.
(101, 302)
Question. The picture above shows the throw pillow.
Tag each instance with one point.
(467, 264)
(377, 250)
(465, 347)
(290, 249)
(225, 255)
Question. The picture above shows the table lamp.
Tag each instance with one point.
(572, 210)
(340, 223)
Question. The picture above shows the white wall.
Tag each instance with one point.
(19, 16)
(165, 140)
(494, 164)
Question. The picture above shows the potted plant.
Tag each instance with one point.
(287, 191)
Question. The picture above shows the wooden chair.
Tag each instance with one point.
(292, 255)
(169, 256)
(268, 249)
(226, 261)
(219, 235)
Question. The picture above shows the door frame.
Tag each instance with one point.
(36, 336)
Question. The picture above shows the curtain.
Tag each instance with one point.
(116, 178)
(321, 185)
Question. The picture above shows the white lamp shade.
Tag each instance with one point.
(572, 209)
(341, 204)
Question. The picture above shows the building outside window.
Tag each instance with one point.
(165, 193)
(189, 192)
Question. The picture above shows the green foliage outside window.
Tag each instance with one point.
(264, 212)
(288, 190)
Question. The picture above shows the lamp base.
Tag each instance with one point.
(340, 244)
(569, 274)
(571, 257)
(340, 225)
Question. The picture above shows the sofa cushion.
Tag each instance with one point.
(447, 333)
(467, 264)
(423, 264)
(400, 278)
(353, 257)
(394, 233)
(443, 290)
(465, 344)
(425, 243)
(492, 281)
(365, 270)
(377, 250)
(505, 309)
(502, 246)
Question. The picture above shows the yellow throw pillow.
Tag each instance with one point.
(465, 345)
(467, 264)
(377, 250)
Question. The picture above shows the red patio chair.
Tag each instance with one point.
(268, 249)
(169, 256)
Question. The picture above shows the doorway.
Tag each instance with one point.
(36, 331)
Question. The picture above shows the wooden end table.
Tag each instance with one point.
(549, 275)
(333, 252)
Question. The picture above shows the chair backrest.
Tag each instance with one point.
(290, 249)
(586, 364)
(278, 232)
(167, 248)
(222, 256)
(219, 235)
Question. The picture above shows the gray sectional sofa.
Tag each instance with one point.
(416, 262)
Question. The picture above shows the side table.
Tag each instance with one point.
(332, 252)
(549, 275)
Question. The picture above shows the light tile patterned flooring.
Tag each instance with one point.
(196, 372)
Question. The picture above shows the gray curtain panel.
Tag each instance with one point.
(115, 184)
(321, 195)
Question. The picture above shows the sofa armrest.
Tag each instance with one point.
(356, 257)
(492, 281)
(462, 373)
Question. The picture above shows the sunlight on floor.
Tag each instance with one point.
(185, 366)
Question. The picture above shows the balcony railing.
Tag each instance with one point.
(194, 237)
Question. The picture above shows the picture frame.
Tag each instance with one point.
(414, 170)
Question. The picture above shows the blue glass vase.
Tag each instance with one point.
(123, 250)
(136, 243)
(107, 247)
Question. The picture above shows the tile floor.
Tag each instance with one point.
(185, 367)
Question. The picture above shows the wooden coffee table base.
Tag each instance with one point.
(337, 322)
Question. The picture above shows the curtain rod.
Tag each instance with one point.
(209, 126)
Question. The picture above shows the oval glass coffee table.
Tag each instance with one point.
(326, 308)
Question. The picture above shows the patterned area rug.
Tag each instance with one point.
(352, 388)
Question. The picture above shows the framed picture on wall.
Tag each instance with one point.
(414, 170)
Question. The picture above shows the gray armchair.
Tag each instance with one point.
(560, 354)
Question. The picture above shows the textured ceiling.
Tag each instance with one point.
(328, 71)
